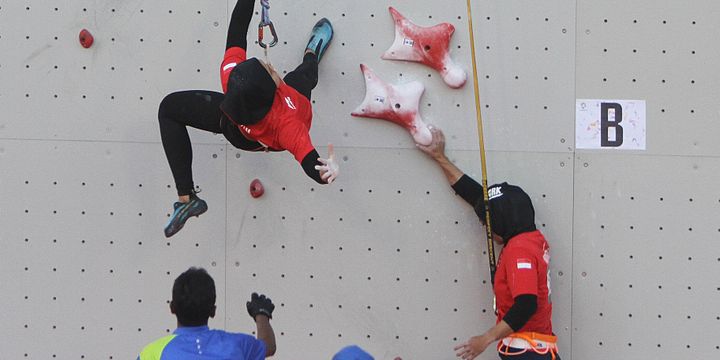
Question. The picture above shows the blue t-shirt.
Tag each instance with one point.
(195, 343)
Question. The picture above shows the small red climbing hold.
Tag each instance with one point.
(86, 38)
(256, 188)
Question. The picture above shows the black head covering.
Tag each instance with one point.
(511, 210)
(250, 93)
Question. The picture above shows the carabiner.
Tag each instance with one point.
(261, 30)
(265, 21)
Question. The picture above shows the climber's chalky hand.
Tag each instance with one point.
(329, 170)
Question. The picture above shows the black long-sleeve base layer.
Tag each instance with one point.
(471, 191)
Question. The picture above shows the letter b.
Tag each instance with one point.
(606, 125)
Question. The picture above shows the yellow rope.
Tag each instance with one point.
(478, 112)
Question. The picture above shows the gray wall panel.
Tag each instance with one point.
(662, 52)
(110, 91)
(526, 55)
(82, 247)
(642, 256)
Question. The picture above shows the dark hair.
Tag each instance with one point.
(193, 297)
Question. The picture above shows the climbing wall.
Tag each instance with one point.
(386, 257)
(645, 243)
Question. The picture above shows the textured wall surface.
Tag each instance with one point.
(387, 257)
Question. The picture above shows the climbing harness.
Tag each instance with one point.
(266, 22)
(523, 342)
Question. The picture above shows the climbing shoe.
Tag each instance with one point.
(183, 211)
(320, 37)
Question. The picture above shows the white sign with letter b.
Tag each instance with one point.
(610, 124)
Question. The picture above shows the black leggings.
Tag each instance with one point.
(200, 109)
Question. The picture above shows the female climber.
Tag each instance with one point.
(259, 111)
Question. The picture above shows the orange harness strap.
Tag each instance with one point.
(530, 338)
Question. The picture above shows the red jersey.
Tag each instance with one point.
(523, 270)
(287, 125)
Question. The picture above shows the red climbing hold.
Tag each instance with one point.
(86, 38)
(256, 188)
(427, 45)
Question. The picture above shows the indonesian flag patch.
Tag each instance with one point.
(523, 264)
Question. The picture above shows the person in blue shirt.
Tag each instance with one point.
(353, 352)
(193, 303)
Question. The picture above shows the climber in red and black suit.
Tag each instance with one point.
(259, 111)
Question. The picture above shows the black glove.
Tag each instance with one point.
(260, 305)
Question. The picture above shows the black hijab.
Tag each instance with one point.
(511, 211)
(250, 93)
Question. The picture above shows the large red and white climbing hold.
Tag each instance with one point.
(427, 45)
(397, 103)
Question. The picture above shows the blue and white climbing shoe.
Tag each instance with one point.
(320, 37)
(183, 211)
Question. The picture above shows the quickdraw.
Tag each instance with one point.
(266, 22)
